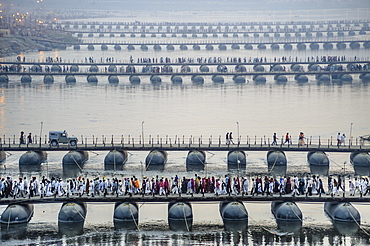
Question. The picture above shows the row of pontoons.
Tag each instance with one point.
(288, 216)
(156, 159)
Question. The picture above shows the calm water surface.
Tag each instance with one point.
(198, 111)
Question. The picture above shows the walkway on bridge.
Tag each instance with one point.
(178, 144)
(81, 62)
(207, 197)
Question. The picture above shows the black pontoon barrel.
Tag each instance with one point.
(180, 216)
(71, 218)
(33, 157)
(236, 159)
(342, 212)
(276, 158)
(195, 160)
(317, 158)
(360, 159)
(287, 214)
(70, 79)
(361, 163)
(277, 162)
(17, 214)
(75, 157)
(126, 215)
(156, 159)
(288, 211)
(113, 79)
(72, 212)
(234, 215)
(135, 80)
(26, 79)
(48, 79)
(4, 79)
(115, 159)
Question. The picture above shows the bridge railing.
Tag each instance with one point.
(182, 141)
(126, 62)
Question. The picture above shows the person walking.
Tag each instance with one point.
(343, 139)
(287, 138)
(231, 138)
(339, 139)
(227, 139)
(274, 137)
(295, 187)
(321, 188)
(245, 184)
(340, 183)
(21, 138)
(301, 139)
(254, 187)
(335, 190)
(351, 186)
(29, 138)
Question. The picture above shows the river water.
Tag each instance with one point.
(184, 110)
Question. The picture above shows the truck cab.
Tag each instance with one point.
(61, 137)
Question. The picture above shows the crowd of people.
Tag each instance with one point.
(164, 186)
(207, 60)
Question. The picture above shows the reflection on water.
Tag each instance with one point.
(277, 170)
(72, 170)
(362, 171)
(25, 170)
(203, 234)
(71, 229)
(346, 228)
(17, 231)
(289, 226)
(319, 170)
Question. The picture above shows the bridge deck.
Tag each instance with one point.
(185, 147)
(268, 41)
(189, 73)
(202, 23)
(208, 197)
(79, 62)
(206, 31)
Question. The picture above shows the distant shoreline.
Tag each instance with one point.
(16, 44)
